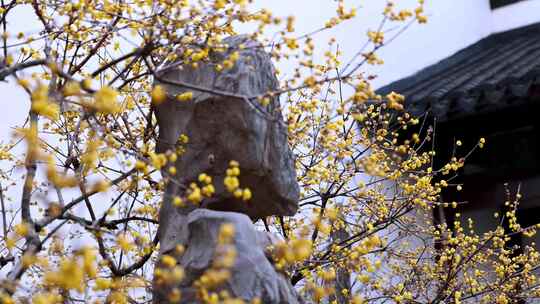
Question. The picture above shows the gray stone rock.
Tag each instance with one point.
(252, 276)
(224, 124)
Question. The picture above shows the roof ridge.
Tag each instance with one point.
(455, 58)
(469, 67)
(495, 62)
(484, 67)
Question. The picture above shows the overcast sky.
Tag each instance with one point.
(452, 25)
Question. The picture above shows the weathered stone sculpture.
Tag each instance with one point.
(224, 122)
(221, 128)
(252, 275)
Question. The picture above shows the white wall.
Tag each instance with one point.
(452, 26)
(516, 15)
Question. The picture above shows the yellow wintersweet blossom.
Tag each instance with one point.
(178, 202)
(22, 229)
(72, 88)
(42, 105)
(102, 284)
(232, 183)
(124, 242)
(377, 37)
(238, 193)
(183, 139)
(205, 178)
(105, 101)
(69, 276)
(168, 261)
(159, 95)
(372, 58)
(395, 101)
(90, 158)
(158, 160)
(226, 233)
(297, 250)
(208, 190)
(481, 142)
(246, 194)
(186, 96)
(6, 299)
(419, 13)
(194, 194)
(290, 24)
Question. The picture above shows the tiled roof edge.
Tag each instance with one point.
(430, 71)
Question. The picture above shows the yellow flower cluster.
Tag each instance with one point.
(168, 272)
(294, 251)
(194, 194)
(72, 88)
(208, 284)
(208, 189)
(377, 37)
(105, 101)
(226, 233)
(124, 242)
(5, 153)
(158, 95)
(395, 101)
(186, 96)
(230, 61)
(342, 15)
(72, 271)
(372, 58)
(419, 13)
(57, 179)
(402, 15)
(42, 105)
(90, 157)
(158, 160)
(232, 182)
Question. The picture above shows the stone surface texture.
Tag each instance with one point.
(224, 126)
(252, 276)
(225, 121)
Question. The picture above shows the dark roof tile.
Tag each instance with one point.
(486, 75)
